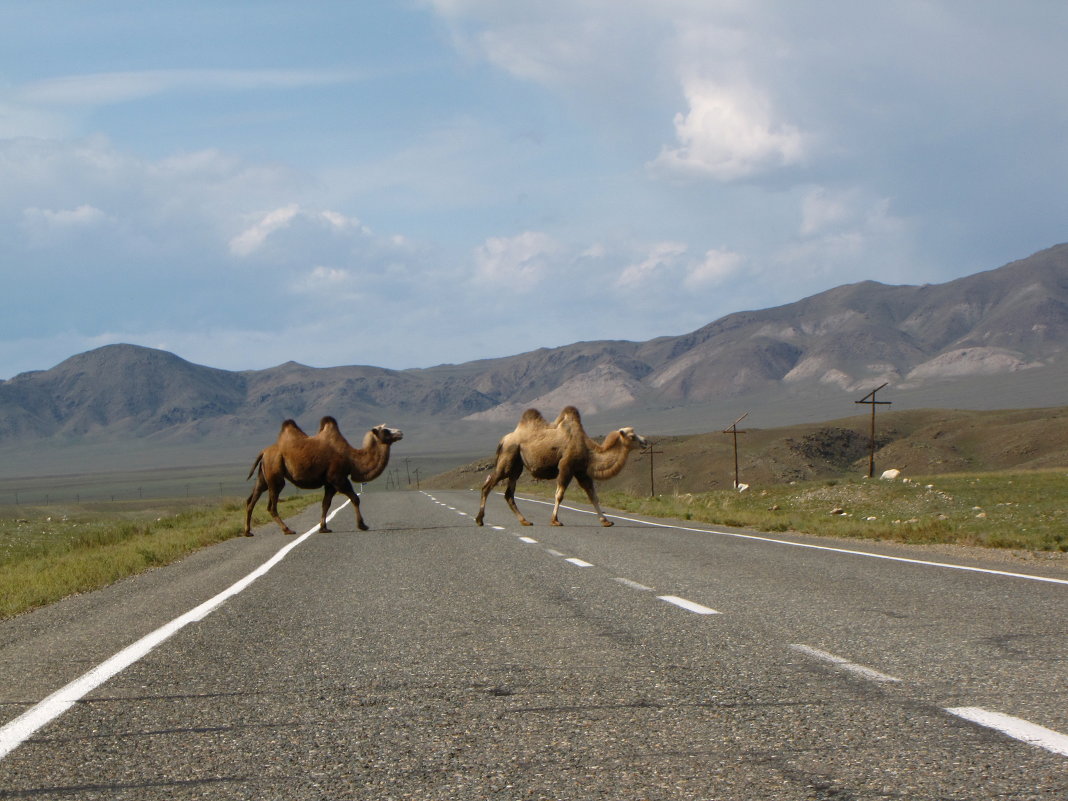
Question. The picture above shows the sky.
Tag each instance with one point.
(417, 182)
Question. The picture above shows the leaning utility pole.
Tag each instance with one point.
(870, 399)
(732, 429)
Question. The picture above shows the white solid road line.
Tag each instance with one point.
(848, 551)
(578, 562)
(17, 731)
(1016, 728)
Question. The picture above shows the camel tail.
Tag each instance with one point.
(255, 465)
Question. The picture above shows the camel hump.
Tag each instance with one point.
(569, 413)
(531, 416)
(327, 421)
(291, 425)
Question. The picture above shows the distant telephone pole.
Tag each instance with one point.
(870, 399)
(651, 450)
(732, 429)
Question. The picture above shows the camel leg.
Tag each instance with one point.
(591, 492)
(328, 496)
(503, 469)
(345, 488)
(273, 491)
(253, 499)
(561, 488)
(509, 497)
(487, 486)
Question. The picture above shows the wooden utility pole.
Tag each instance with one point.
(651, 450)
(870, 399)
(732, 429)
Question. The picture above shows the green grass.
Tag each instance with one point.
(48, 553)
(1020, 510)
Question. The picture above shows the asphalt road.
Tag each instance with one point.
(431, 659)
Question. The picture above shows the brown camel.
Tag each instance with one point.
(559, 450)
(325, 460)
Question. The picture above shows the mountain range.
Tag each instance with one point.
(995, 339)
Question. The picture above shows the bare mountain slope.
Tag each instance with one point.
(996, 339)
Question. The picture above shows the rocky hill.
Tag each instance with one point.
(921, 442)
(996, 339)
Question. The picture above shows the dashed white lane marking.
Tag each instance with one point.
(810, 546)
(633, 584)
(845, 664)
(690, 606)
(1016, 728)
(17, 731)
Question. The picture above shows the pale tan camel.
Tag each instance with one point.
(325, 460)
(562, 451)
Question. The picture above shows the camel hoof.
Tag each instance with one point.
(325, 530)
(478, 522)
(607, 523)
(288, 532)
(249, 534)
(555, 523)
(363, 526)
(525, 523)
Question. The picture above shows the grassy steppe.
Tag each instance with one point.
(48, 553)
(1025, 510)
(1019, 510)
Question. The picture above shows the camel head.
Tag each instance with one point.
(632, 439)
(387, 435)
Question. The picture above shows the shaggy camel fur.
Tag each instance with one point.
(325, 460)
(560, 450)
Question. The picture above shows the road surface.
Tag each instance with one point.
(431, 659)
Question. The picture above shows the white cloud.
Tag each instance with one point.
(716, 267)
(330, 283)
(822, 209)
(80, 217)
(842, 230)
(662, 257)
(521, 261)
(728, 133)
(256, 235)
(252, 238)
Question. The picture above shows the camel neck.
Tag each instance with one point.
(372, 458)
(609, 457)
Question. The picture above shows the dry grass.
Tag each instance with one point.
(49, 553)
(1025, 510)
